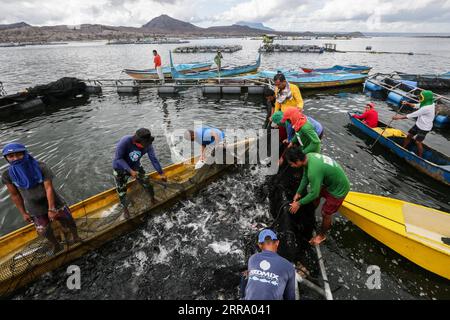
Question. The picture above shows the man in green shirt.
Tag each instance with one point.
(326, 179)
(305, 133)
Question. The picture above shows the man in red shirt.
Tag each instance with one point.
(370, 115)
(158, 67)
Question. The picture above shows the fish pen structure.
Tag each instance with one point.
(291, 48)
(207, 49)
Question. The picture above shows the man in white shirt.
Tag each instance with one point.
(424, 123)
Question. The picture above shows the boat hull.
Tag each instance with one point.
(349, 69)
(440, 172)
(383, 219)
(318, 80)
(214, 74)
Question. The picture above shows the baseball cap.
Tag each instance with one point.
(266, 233)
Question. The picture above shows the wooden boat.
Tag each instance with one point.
(420, 234)
(318, 80)
(433, 163)
(428, 81)
(351, 68)
(214, 73)
(150, 74)
(24, 256)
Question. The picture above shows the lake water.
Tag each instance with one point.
(194, 250)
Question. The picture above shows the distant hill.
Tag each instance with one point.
(254, 25)
(14, 26)
(234, 30)
(164, 23)
(159, 26)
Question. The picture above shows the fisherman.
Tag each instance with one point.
(269, 94)
(205, 136)
(370, 115)
(30, 184)
(326, 179)
(126, 164)
(278, 116)
(218, 60)
(305, 134)
(270, 276)
(424, 123)
(286, 94)
(158, 66)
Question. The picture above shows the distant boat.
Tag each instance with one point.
(317, 80)
(214, 73)
(149, 74)
(433, 163)
(428, 81)
(352, 68)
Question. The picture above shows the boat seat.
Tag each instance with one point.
(390, 132)
(426, 223)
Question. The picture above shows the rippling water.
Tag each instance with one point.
(195, 249)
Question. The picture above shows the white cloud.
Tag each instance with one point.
(288, 15)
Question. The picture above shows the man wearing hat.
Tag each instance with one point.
(270, 276)
(29, 183)
(370, 115)
(127, 163)
(424, 123)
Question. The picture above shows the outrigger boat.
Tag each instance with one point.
(150, 74)
(420, 234)
(351, 68)
(433, 163)
(318, 80)
(215, 73)
(24, 256)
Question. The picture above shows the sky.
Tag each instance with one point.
(284, 15)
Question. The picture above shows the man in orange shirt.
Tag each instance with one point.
(158, 67)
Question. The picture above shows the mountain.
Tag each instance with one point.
(254, 25)
(234, 30)
(166, 24)
(14, 26)
(157, 27)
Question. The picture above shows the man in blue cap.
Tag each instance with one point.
(270, 276)
(29, 183)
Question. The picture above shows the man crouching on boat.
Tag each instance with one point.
(127, 163)
(30, 185)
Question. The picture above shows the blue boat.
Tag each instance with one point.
(317, 80)
(351, 68)
(433, 163)
(214, 73)
(149, 74)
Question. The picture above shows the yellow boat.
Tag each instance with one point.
(24, 256)
(416, 232)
